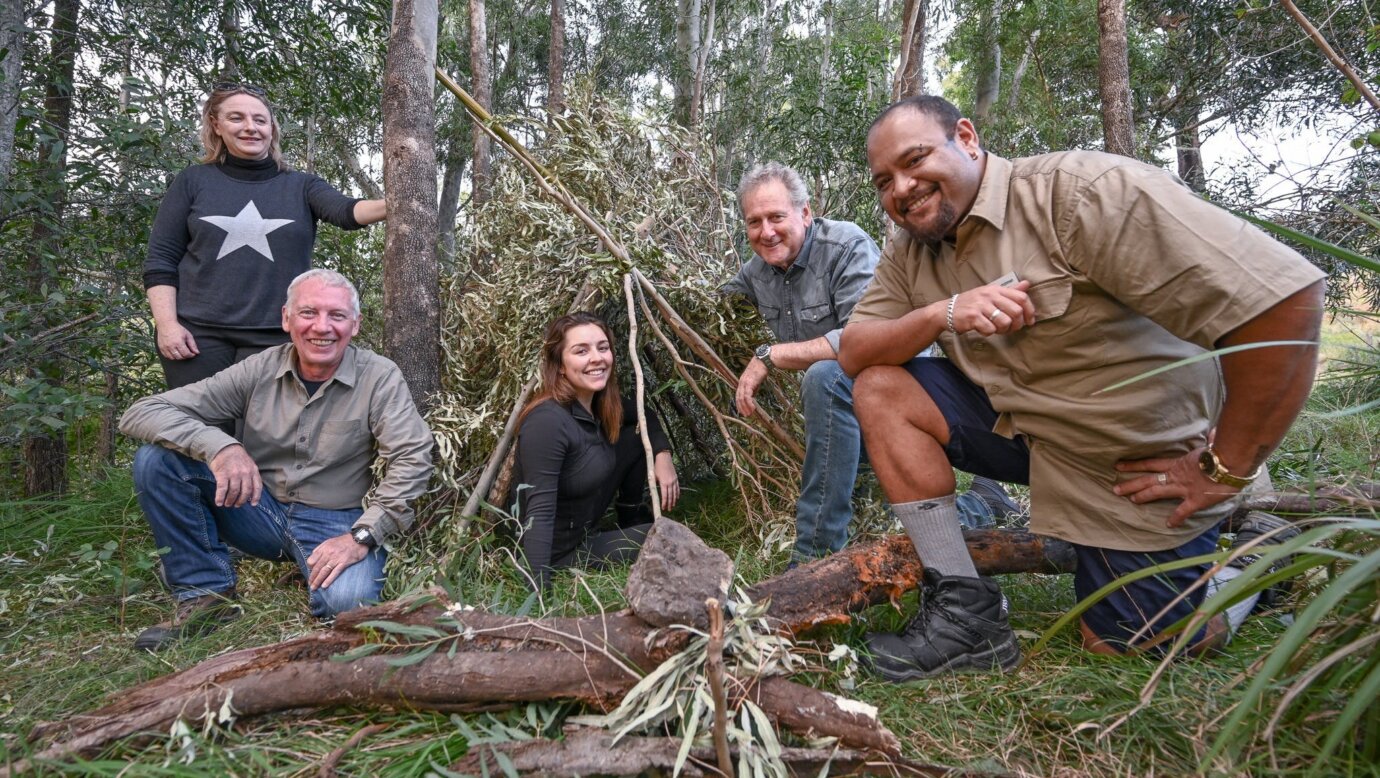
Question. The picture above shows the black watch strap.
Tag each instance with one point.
(364, 537)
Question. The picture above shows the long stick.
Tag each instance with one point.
(1330, 53)
(652, 489)
(714, 664)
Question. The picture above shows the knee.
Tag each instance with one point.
(152, 462)
(351, 590)
(876, 389)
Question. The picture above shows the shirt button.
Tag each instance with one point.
(981, 345)
(292, 494)
(994, 389)
(299, 467)
(302, 439)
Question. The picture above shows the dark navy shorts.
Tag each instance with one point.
(1125, 611)
(973, 446)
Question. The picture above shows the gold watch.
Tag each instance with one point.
(1213, 469)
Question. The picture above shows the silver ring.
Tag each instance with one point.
(1162, 478)
(994, 314)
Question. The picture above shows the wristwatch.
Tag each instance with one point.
(1213, 469)
(763, 353)
(364, 537)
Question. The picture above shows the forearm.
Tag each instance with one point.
(163, 303)
(370, 211)
(893, 342)
(798, 356)
(1267, 387)
(156, 420)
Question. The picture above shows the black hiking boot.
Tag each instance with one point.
(961, 626)
(1280, 530)
(194, 617)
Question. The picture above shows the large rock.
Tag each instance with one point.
(674, 574)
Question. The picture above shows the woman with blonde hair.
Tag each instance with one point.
(230, 234)
(578, 445)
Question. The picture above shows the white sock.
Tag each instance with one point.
(1236, 614)
(933, 528)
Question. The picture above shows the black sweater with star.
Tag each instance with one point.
(232, 236)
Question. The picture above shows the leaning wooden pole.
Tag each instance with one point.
(640, 389)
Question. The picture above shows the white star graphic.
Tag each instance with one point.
(247, 228)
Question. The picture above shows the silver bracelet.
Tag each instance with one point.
(949, 315)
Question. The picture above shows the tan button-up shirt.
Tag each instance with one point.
(1130, 271)
(317, 451)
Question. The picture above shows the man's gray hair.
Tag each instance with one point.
(774, 171)
(329, 278)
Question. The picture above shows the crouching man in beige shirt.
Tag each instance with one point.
(1049, 280)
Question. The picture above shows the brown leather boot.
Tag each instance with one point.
(193, 617)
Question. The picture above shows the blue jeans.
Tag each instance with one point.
(833, 449)
(178, 497)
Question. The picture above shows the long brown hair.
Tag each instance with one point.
(211, 141)
(607, 404)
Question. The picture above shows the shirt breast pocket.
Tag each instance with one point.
(1051, 298)
(347, 435)
(772, 313)
(816, 313)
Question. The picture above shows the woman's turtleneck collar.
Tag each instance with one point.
(249, 169)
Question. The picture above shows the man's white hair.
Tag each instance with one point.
(329, 278)
(774, 171)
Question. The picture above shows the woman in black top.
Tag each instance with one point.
(577, 446)
(230, 235)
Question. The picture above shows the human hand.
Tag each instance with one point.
(993, 310)
(1167, 479)
(237, 477)
(666, 480)
(329, 560)
(753, 376)
(175, 342)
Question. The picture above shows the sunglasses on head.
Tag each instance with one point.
(235, 86)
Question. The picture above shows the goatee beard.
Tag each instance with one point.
(942, 225)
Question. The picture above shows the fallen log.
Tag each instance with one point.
(830, 590)
(592, 752)
(492, 658)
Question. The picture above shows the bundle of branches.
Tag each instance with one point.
(669, 236)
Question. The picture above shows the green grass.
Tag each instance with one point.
(76, 586)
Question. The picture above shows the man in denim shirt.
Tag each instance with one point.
(805, 278)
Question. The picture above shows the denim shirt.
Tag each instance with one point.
(816, 294)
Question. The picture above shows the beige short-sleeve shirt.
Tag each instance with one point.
(1129, 271)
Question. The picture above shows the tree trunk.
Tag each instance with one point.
(230, 30)
(12, 42)
(449, 208)
(1114, 78)
(481, 85)
(1016, 78)
(45, 453)
(989, 79)
(701, 66)
(1189, 151)
(411, 285)
(555, 61)
(910, 73)
(688, 13)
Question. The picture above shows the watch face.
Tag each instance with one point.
(1207, 461)
(763, 352)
